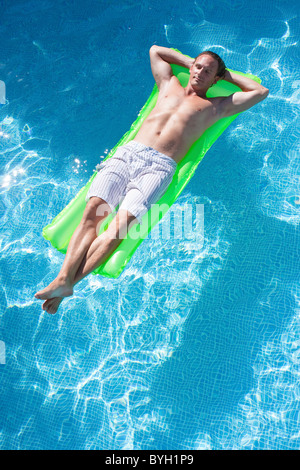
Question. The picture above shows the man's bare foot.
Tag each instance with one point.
(51, 305)
(57, 288)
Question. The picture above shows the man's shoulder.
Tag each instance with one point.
(217, 101)
(175, 81)
(172, 85)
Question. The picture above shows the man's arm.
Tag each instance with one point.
(161, 58)
(251, 94)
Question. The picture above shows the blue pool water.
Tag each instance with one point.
(194, 346)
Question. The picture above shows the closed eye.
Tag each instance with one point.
(207, 71)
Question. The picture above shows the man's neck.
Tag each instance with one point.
(190, 91)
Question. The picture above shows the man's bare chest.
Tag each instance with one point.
(188, 109)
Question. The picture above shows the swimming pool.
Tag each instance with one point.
(194, 346)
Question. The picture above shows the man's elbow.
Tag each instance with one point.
(263, 92)
(153, 49)
(260, 93)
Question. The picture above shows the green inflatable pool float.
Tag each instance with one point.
(61, 229)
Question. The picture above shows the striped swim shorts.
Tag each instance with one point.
(134, 178)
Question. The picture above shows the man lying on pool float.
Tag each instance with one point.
(140, 171)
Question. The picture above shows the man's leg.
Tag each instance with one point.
(100, 249)
(104, 245)
(96, 210)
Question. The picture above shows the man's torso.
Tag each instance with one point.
(177, 120)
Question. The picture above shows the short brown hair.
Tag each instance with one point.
(221, 65)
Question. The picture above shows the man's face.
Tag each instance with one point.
(203, 73)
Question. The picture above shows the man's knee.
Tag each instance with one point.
(96, 209)
(121, 224)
